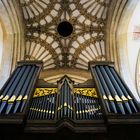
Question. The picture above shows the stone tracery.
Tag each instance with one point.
(84, 44)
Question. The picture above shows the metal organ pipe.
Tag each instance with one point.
(104, 95)
(112, 90)
(118, 89)
(124, 88)
(17, 90)
(69, 103)
(18, 87)
(116, 95)
(28, 85)
(65, 99)
(10, 91)
(87, 106)
(107, 91)
(10, 82)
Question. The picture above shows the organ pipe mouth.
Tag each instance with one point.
(19, 98)
(129, 97)
(117, 98)
(124, 98)
(110, 98)
(12, 99)
(25, 97)
(104, 97)
(5, 98)
(1, 97)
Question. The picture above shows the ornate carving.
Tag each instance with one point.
(83, 91)
(86, 43)
(86, 91)
(44, 91)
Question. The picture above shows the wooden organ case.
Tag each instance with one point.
(101, 109)
(77, 109)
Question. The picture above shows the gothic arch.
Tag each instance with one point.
(117, 38)
(13, 38)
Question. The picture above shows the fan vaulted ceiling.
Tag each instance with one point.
(85, 41)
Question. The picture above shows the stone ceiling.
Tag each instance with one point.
(47, 37)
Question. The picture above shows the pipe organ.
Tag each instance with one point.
(116, 95)
(18, 89)
(65, 102)
(87, 105)
(43, 104)
(81, 109)
(65, 98)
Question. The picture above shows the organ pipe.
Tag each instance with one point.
(18, 87)
(115, 93)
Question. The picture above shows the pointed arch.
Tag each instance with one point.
(13, 38)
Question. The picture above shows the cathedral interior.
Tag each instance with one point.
(70, 69)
